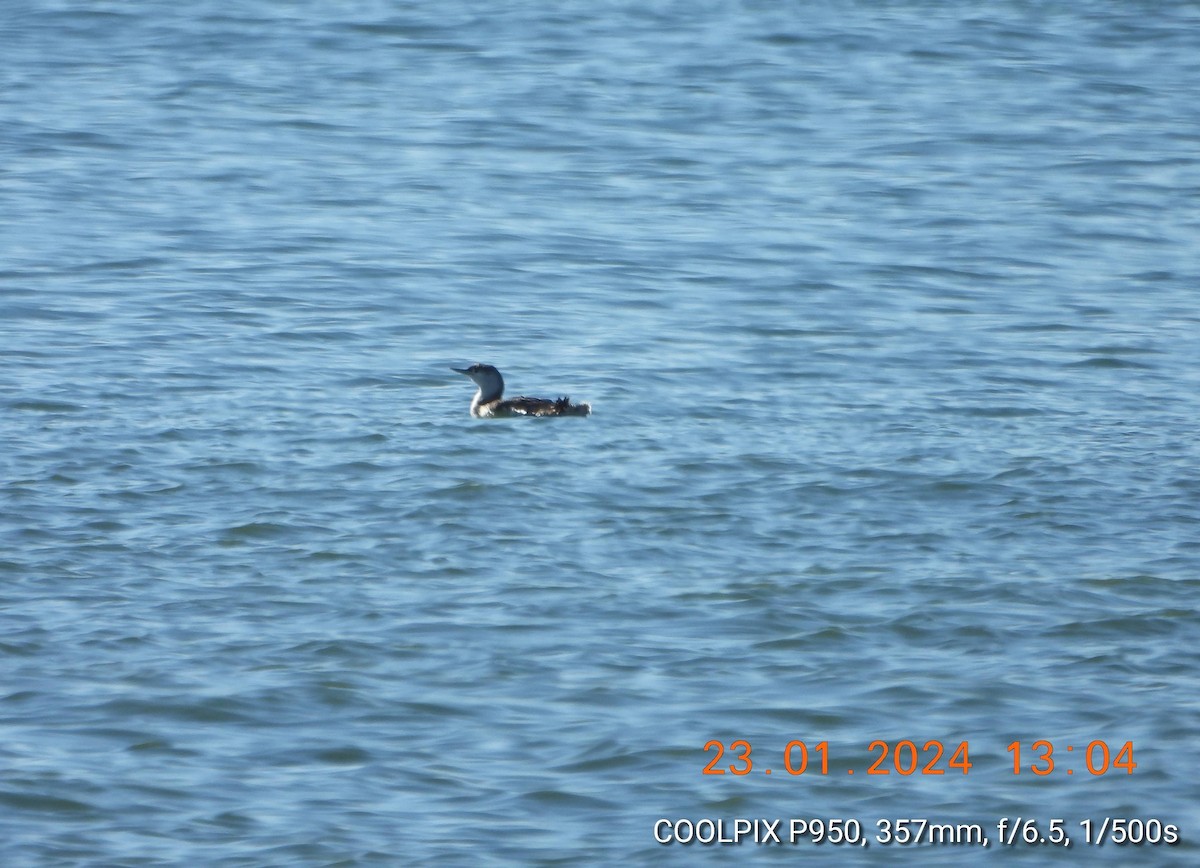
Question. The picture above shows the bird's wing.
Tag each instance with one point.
(525, 406)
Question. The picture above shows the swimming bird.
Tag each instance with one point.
(489, 400)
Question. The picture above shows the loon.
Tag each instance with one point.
(489, 400)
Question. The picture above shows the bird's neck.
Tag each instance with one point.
(481, 400)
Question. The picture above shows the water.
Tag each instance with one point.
(888, 315)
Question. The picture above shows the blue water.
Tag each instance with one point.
(889, 317)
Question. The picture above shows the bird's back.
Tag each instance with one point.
(525, 406)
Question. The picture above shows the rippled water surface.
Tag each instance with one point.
(889, 317)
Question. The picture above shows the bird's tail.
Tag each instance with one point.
(564, 407)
